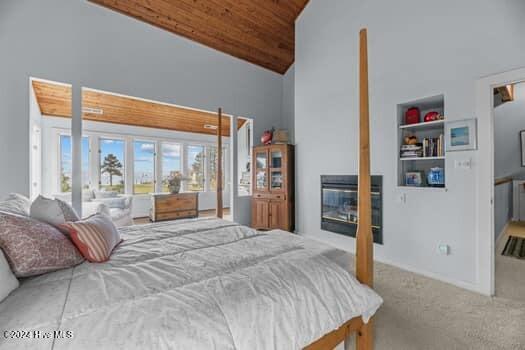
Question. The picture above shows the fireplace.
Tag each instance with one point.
(339, 205)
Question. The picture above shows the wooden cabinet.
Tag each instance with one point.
(273, 187)
(167, 206)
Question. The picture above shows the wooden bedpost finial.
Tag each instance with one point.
(364, 249)
(219, 210)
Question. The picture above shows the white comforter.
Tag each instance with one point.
(194, 284)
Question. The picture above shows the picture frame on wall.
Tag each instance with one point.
(522, 141)
(461, 135)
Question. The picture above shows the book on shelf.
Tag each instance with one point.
(429, 147)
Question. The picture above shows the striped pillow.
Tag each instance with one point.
(95, 237)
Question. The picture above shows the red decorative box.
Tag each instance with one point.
(412, 116)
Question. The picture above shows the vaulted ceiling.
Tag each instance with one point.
(258, 31)
(55, 100)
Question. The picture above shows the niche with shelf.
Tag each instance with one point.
(428, 152)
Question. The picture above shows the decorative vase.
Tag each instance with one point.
(174, 187)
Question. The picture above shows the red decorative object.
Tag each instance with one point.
(266, 138)
(431, 116)
(412, 115)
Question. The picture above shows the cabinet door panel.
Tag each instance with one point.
(260, 214)
(277, 215)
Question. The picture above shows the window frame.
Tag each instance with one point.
(60, 134)
(102, 137)
(160, 156)
(96, 138)
(155, 160)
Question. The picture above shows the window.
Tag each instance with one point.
(196, 168)
(170, 157)
(66, 163)
(144, 161)
(112, 165)
(212, 167)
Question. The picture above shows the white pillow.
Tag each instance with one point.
(52, 211)
(15, 203)
(8, 281)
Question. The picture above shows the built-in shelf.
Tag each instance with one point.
(430, 188)
(427, 133)
(421, 158)
(424, 125)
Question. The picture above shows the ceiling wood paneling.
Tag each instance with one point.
(55, 100)
(258, 31)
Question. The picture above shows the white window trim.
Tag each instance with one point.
(125, 165)
(155, 164)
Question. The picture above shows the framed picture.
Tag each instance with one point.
(461, 135)
(413, 178)
(522, 139)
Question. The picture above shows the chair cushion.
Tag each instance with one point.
(9, 281)
(33, 247)
(16, 204)
(117, 202)
(53, 211)
(95, 237)
(105, 194)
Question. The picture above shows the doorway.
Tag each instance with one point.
(509, 190)
(485, 208)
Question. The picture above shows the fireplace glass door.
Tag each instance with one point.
(339, 209)
(341, 205)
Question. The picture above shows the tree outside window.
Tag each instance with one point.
(112, 165)
(196, 164)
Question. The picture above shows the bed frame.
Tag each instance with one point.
(364, 238)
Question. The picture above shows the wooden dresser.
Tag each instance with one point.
(273, 187)
(166, 206)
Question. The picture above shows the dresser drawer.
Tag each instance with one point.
(176, 215)
(269, 196)
(170, 204)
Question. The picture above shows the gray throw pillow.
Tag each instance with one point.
(15, 203)
(53, 211)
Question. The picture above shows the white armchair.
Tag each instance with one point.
(118, 207)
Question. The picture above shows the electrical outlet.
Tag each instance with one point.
(444, 249)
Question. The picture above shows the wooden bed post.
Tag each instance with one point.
(365, 240)
(364, 245)
(219, 165)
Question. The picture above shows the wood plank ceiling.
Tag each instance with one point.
(55, 100)
(258, 31)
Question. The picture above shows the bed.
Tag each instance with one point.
(207, 284)
(193, 284)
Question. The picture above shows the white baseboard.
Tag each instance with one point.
(501, 234)
(458, 283)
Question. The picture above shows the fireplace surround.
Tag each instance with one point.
(339, 205)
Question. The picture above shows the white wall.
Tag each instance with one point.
(288, 104)
(509, 120)
(78, 42)
(416, 49)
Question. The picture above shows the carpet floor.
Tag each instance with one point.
(420, 313)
